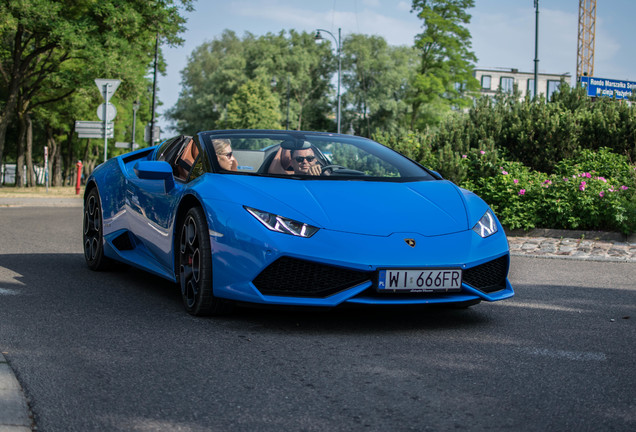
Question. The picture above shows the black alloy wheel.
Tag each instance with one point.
(195, 267)
(93, 233)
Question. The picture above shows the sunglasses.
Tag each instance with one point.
(227, 155)
(300, 159)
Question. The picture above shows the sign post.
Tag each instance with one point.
(107, 88)
(46, 167)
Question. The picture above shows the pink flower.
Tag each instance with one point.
(464, 156)
(516, 181)
(588, 175)
(601, 194)
(482, 152)
(565, 179)
(582, 186)
(624, 187)
(504, 172)
(601, 179)
(522, 192)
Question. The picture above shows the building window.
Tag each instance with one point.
(485, 82)
(530, 89)
(552, 87)
(507, 84)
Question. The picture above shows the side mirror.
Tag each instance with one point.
(155, 170)
(438, 175)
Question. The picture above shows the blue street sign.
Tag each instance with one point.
(597, 87)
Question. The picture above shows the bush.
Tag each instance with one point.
(511, 193)
(594, 191)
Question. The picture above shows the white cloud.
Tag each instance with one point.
(404, 6)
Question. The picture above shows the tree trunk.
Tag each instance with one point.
(68, 162)
(19, 165)
(7, 113)
(55, 158)
(31, 180)
(13, 89)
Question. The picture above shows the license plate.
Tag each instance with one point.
(420, 280)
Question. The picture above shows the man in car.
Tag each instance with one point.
(304, 162)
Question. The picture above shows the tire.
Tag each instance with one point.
(93, 235)
(195, 267)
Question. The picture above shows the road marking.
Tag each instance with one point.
(568, 355)
(4, 291)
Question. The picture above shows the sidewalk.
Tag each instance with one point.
(577, 245)
(14, 410)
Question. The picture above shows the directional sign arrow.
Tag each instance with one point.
(94, 129)
(92, 125)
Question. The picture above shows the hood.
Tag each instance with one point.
(428, 208)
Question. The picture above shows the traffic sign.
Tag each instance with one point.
(94, 129)
(597, 87)
(155, 134)
(126, 145)
(110, 84)
(111, 111)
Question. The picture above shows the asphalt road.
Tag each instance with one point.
(116, 352)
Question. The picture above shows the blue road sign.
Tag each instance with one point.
(597, 87)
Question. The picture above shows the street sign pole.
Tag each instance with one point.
(105, 121)
(108, 87)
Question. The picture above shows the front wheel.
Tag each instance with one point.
(195, 267)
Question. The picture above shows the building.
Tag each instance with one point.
(493, 80)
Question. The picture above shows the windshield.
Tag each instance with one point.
(303, 155)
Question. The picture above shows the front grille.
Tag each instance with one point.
(488, 277)
(298, 278)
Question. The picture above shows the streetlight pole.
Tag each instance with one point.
(287, 121)
(154, 92)
(337, 41)
(135, 108)
(536, 49)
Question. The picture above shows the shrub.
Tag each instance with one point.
(511, 193)
(595, 191)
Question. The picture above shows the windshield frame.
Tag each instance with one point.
(409, 170)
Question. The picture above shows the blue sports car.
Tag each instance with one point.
(293, 218)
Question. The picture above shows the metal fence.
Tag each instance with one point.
(8, 173)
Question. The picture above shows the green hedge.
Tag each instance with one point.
(564, 164)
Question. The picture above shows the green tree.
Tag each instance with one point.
(445, 78)
(253, 106)
(214, 72)
(293, 65)
(52, 48)
(376, 78)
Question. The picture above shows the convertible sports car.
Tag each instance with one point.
(293, 218)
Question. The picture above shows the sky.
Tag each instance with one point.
(503, 32)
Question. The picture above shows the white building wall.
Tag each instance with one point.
(491, 80)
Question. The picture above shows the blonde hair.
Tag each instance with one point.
(220, 144)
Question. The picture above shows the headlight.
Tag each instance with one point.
(487, 225)
(283, 225)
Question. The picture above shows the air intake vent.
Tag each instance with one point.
(298, 278)
(488, 277)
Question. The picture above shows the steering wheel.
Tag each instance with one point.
(328, 169)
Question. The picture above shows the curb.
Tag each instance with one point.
(40, 202)
(573, 234)
(15, 415)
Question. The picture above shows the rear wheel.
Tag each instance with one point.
(93, 233)
(195, 267)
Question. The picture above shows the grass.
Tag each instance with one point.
(39, 192)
